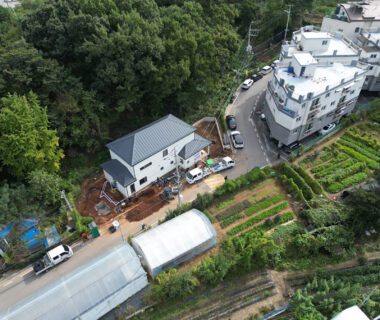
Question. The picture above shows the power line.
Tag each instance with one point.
(287, 20)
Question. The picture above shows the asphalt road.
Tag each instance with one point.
(259, 150)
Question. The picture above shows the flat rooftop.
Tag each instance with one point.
(341, 47)
(324, 76)
(372, 36)
(304, 58)
(316, 35)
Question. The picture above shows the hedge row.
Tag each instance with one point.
(231, 220)
(257, 218)
(343, 173)
(348, 182)
(286, 169)
(339, 158)
(293, 189)
(371, 163)
(315, 186)
(347, 163)
(263, 204)
(278, 220)
(233, 210)
(359, 148)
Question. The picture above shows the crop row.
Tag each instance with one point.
(371, 163)
(315, 186)
(237, 208)
(230, 220)
(272, 223)
(348, 182)
(338, 159)
(263, 204)
(343, 173)
(328, 156)
(363, 146)
(258, 218)
(367, 139)
(359, 148)
(347, 163)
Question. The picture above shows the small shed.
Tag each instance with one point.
(88, 292)
(175, 241)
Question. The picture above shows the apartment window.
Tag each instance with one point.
(162, 168)
(330, 114)
(332, 103)
(352, 91)
(143, 180)
(171, 162)
(146, 166)
(304, 105)
(165, 153)
(298, 119)
(370, 68)
(324, 107)
(295, 130)
(327, 94)
(357, 29)
(324, 42)
(181, 161)
(340, 30)
(315, 102)
(374, 55)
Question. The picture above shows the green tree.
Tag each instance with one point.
(45, 187)
(26, 142)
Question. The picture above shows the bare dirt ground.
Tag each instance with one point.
(209, 131)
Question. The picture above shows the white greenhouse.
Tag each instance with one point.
(87, 293)
(175, 241)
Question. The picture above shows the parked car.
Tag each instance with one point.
(237, 140)
(256, 77)
(291, 147)
(231, 122)
(326, 129)
(52, 258)
(274, 63)
(247, 84)
(265, 70)
(263, 117)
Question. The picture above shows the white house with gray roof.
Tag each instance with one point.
(151, 152)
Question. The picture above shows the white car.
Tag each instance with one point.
(237, 140)
(266, 70)
(326, 129)
(274, 63)
(247, 84)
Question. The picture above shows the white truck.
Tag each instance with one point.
(198, 174)
(52, 258)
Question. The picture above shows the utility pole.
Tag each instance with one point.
(178, 181)
(251, 33)
(287, 20)
(64, 197)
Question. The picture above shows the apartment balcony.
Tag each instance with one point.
(280, 103)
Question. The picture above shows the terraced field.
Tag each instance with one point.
(346, 162)
(261, 208)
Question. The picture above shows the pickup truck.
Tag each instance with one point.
(198, 173)
(52, 258)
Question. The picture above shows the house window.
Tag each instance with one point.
(330, 114)
(298, 119)
(143, 180)
(295, 130)
(146, 166)
(352, 91)
(165, 153)
(162, 168)
(373, 55)
(327, 94)
(324, 42)
(188, 161)
(332, 103)
(171, 162)
(304, 105)
(181, 161)
(357, 29)
(370, 68)
(324, 107)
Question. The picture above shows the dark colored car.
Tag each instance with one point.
(256, 77)
(231, 122)
(290, 148)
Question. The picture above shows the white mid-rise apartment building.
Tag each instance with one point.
(360, 22)
(316, 82)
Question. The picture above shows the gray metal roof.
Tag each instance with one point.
(118, 172)
(193, 147)
(147, 141)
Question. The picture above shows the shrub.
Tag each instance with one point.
(237, 208)
(257, 218)
(315, 186)
(371, 163)
(291, 173)
(225, 203)
(263, 204)
(348, 182)
(231, 220)
(293, 189)
(202, 201)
